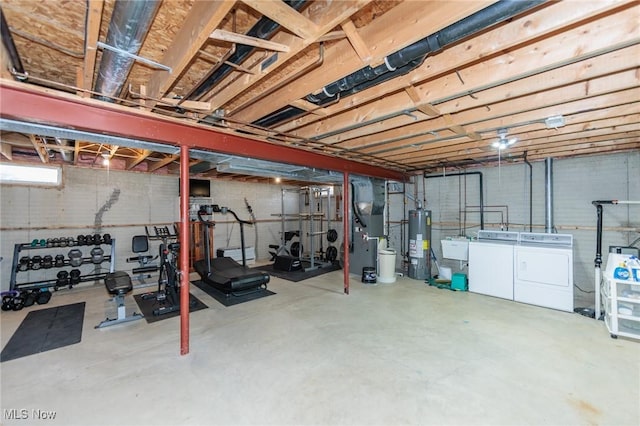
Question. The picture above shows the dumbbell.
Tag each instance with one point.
(59, 260)
(25, 263)
(62, 281)
(81, 240)
(43, 297)
(75, 257)
(97, 255)
(30, 297)
(74, 277)
(88, 239)
(106, 238)
(97, 239)
(12, 301)
(47, 261)
(36, 262)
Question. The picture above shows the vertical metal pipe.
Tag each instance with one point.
(345, 229)
(185, 243)
(530, 191)
(548, 195)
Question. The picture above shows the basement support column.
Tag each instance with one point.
(345, 229)
(185, 243)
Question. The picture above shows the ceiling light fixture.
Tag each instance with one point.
(105, 158)
(503, 140)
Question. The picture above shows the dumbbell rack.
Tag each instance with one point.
(52, 282)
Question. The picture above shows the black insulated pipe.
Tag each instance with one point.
(12, 50)
(598, 259)
(530, 191)
(479, 174)
(262, 29)
(410, 57)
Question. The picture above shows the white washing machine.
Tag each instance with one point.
(491, 263)
(543, 268)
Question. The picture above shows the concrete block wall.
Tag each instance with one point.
(576, 183)
(121, 203)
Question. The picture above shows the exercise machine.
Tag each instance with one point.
(168, 295)
(224, 273)
(118, 284)
(140, 246)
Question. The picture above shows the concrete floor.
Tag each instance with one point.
(389, 354)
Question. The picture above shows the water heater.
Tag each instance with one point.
(419, 244)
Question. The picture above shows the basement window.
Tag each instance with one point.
(30, 175)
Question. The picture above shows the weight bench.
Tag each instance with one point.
(118, 284)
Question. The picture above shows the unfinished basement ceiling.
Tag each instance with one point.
(407, 86)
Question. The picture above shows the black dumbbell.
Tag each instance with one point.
(106, 238)
(36, 262)
(43, 297)
(59, 260)
(88, 239)
(81, 240)
(62, 281)
(97, 239)
(74, 277)
(25, 263)
(30, 297)
(47, 261)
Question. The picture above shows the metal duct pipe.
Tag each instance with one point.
(548, 195)
(263, 29)
(67, 156)
(481, 189)
(130, 23)
(7, 40)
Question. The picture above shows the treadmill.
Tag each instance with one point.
(224, 273)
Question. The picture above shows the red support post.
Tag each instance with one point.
(345, 228)
(185, 243)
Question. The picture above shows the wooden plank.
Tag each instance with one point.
(5, 150)
(42, 152)
(160, 164)
(493, 73)
(132, 162)
(232, 37)
(203, 18)
(356, 41)
(286, 16)
(94, 17)
(327, 18)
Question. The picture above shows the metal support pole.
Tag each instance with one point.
(345, 229)
(185, 243)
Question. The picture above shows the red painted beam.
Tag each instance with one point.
(345, 230)
(24, 103)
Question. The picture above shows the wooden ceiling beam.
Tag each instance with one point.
(509, 37)
(326, 19)
(406, 23)
(94, 18)
(286, 16)
(232, 37)
(5, 150)
(495, 73)
(356, 41)
(204, 17)
(132, 162)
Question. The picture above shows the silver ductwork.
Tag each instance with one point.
(130, 23)
(548, 195)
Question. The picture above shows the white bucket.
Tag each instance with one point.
(445, 273)
(387, 262)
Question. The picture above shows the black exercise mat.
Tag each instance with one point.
(44, 330)
(148, 305)
(296, 276)
(231, 299)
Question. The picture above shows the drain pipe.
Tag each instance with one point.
(130, 23)
(479, 174)
(530, 191)
(7, 40)
(548, 195)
